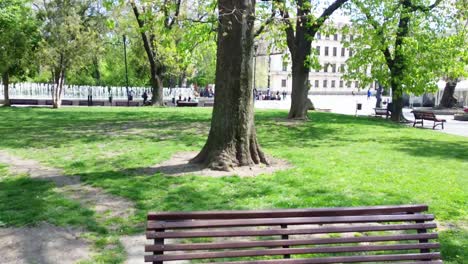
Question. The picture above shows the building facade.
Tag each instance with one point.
(332, 56)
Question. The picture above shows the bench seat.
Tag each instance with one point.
(396, 234)
(382, 112)
(420, 116)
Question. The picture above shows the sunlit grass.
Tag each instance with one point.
(338, 161)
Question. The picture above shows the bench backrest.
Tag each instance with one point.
(424, 115)
(323, 235)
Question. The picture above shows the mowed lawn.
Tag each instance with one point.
(337, 161)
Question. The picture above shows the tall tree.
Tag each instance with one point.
(18, 37)
(299, 39)
(70, 38)
(395, 40)
(148, 23)
(232, 140)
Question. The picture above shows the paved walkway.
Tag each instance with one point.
(346, 104)
(105, 205)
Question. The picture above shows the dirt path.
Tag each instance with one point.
(50, 241)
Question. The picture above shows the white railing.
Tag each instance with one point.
(44, 91)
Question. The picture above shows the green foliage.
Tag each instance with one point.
(414, 64)
(18, 36)
(70, 32)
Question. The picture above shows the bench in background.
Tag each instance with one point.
(420, 116)
(24, 102)
(396, 234)
(383, 112)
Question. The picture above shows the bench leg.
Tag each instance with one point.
(285, 237)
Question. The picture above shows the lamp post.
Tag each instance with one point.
(126, 68)
(255, 67)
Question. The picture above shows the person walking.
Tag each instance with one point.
(369, 93)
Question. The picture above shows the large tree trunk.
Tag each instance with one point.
(300, 90)
(6, 83)
(448, 100)
(232, 140)
(397, 106)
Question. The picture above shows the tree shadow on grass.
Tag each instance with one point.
(27, 202)
(432, 148)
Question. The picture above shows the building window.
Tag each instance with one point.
(326, 51)
(333, 67)
(356, 84)
(348, 84)
(343, 52)
(319, 36)
(316, 83)
(343, 37)
(351, 37)
(324, 83)
(350, 53)
(335, 51)
(335, 37)
(283, 83)
(342, 68)
(318, 50)
(333, 84)
(285, 66)
(327, 36)
(341, 83)
(325, 67)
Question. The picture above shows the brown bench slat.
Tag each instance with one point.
(272, 232)
(339, 211)
(287, 221)
(279, 243)
(290, 251)
(348, 259)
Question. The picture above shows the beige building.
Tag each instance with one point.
(332, 56)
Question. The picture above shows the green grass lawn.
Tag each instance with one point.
(338, 161)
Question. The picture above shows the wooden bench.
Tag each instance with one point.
(64, 102)
(125, 103)
(186, 104)
(395, 234)
(24, 102)
(383, 112)
(420, 116)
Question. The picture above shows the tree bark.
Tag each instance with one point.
(300, 90)
(232, 140)
(58, 88)
(448, 100)
(6, 83)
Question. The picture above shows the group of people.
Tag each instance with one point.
(268, 95)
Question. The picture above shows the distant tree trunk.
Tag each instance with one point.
(6, 83)
(299, 44)
(58, 88)
(448, 100)
(232, 140)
